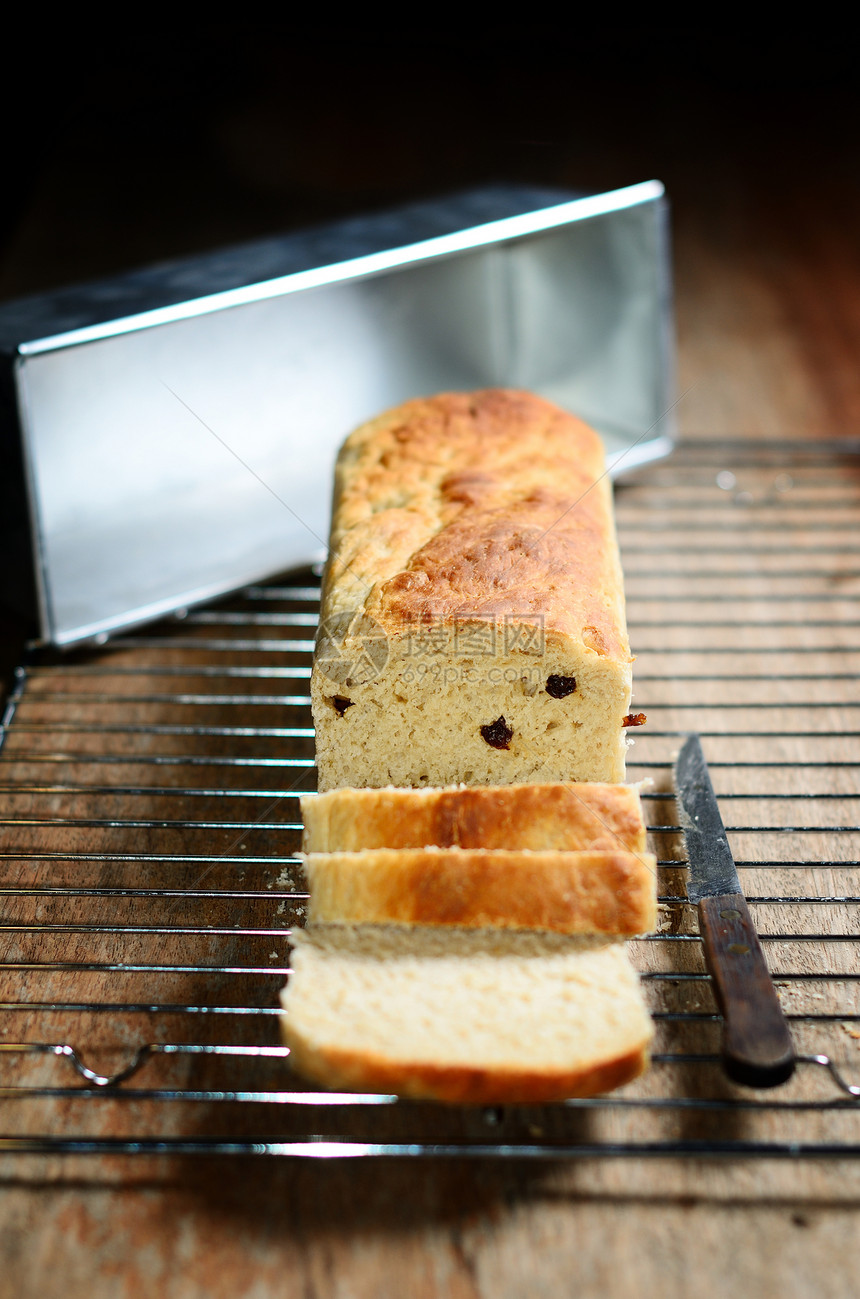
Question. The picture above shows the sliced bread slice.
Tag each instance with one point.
(565, 892)
(464, 1016)
(541, 816)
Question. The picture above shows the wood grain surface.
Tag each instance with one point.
(150, 817)
(147, 791)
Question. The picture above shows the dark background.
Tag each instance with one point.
(124, 149)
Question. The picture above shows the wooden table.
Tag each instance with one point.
(746, 537)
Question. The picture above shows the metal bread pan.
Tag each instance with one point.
(170, 435)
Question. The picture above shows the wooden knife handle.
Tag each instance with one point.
(757, 1046)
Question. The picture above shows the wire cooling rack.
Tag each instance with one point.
(149, 820)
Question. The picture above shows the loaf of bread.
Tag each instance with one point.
(540, 817)
(464, 1016)
(466, 944)
(562, 892)
(472, 625)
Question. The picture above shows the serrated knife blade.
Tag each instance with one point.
(757, 1049)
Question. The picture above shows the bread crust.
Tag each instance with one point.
(505, 506)
(456, 1084)
(560, 892)
(539, 816)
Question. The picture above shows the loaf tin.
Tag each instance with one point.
(169, 435)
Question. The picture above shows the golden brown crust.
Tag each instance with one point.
(457, 1084)
(561, 892)
(474, 506)
(536, 816)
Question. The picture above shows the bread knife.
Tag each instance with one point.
(757, 1049)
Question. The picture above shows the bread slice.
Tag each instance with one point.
(464, 1016)
(589, 892)
(472, 624)
(541, 817)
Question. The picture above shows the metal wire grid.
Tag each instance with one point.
(150, 821)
